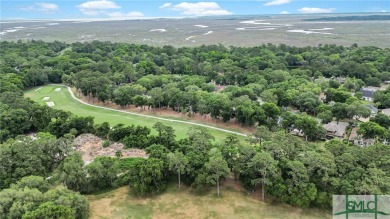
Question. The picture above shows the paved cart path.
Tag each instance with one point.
(153, 117)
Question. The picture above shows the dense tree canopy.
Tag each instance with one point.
(273, 88)
(32, 198)
(226, 83)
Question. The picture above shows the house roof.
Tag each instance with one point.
(353, 134)
(386, 111)
(373, 108)
(367, 93)
(338, 129)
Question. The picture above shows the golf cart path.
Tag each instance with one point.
(153, 117)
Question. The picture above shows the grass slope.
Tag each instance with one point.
(63, 100)
(120, 203)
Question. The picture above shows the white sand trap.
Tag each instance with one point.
(200, 26)
(46, 98)
(52, 24)
(158, 30)
(50, 104)
(38, 89)
(210, 32)
(58, 89)
(19, 27)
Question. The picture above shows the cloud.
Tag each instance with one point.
(118, 14)
(97, 7)
(101, 4)
(277, 2)
(284, 12)
(104, 8)
(165, 5)
(199, 9)
(41, 7)
(306, 10)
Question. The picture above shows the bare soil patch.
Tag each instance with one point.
(90, 146)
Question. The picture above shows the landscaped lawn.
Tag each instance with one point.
(63, 100)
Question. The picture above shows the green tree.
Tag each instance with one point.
(62, 196)
(24, 157)
(72, 173)
(310, 127)
(216, 168)
(371, 130)
(166, 135)
(339, 111)
(157, 96)
(147, 176)
(102, 173)
(262, 134)
(177, 163)
(263, 165)
(49, 210)
(33, 182)
(325, 116)
(102, 130)
(382, 119)
(301, 191)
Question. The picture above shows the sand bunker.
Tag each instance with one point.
(158, 30)
(210, 32)
(90, 146)
(52, 24)
(200, 26)
(50, 104)
(58, 89)
(38, 89)
(46, 98)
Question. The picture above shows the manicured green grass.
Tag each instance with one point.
(63, 100)
(232, 203)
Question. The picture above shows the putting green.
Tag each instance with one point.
(64, 101)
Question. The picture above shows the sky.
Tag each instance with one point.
(128, 9)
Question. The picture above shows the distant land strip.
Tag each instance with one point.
(352, 18)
